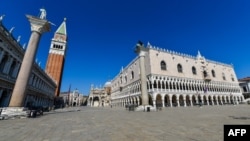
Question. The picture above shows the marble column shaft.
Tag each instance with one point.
(143, 78)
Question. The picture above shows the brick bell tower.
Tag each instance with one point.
(57, 54)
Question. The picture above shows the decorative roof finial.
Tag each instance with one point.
(11, 30)
(148, 44)
(24, 45)
(1, 18)
(18, 38)
(199, 54)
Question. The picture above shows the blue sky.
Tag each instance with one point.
(102, 33)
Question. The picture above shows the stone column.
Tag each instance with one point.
(170, 102)
(178, 103)
(154, 103)
(217, 101)
(212, 101)
(202, 101)
(163, 102)
(38, 26)
(185, 103)
(197, 100)
(237, 102)
(141, 51)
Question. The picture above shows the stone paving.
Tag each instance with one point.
(118, 124)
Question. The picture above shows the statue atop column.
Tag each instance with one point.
(43, 13)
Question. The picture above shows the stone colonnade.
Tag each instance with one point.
(31, 98)
(178, 100)
(9, 65)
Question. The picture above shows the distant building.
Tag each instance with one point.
(74, 98)
(40, 89)
(176, 79)
(100, 97)
(245, 86)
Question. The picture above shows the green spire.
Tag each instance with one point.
(62, 28)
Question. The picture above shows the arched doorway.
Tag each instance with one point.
(210, 100)
(140, 100)
(205, 100)
(167, 101)
(219, 100)
(188, 101)
(158, 100)
(96, 102)
(174, 101)
(136, 101)
(199, 99)
(215, 102)
(227, 100)
(181, 100)
(194, 100)
(150, 101)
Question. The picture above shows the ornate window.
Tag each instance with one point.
(232, 77)
(223, 76)
(163, 65)
(132, 75)
(213, 73)
(12, 67)
(194, 70)
(3, 63)
(179, 68)
(205, 74)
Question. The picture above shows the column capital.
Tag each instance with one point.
(38, 25)
(140, 49)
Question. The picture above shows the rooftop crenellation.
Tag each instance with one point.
(184, 55)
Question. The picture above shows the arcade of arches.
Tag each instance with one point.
(177, 100)
(167, 91)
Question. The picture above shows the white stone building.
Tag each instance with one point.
(245, 86)
(176, 79)
(100, 97)
(73, 98)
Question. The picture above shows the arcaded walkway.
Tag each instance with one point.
(117, 124)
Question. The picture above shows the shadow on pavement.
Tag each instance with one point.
(241, 118)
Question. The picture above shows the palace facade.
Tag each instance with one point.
(176, 79)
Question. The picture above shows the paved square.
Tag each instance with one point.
(118, 124)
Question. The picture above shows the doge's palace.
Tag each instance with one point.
(176, 79)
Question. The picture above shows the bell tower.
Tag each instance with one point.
(57, 54)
